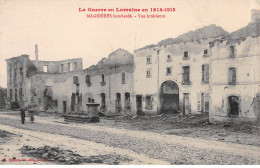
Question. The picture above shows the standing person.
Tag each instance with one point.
(22, 115)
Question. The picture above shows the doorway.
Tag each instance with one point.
(186, 106)
(139, 104)
(233, 105)
(169, 97)
(103, 101)
(64, 103)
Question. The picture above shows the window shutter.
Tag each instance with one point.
(73, 101)
(206, 68)
(206, 102)
(229, 75)
(234, 75)
(203, 73)
(199, 101)
(80, 99)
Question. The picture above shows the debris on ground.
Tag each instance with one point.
(101, 114)
(56, 154)
(3, 134)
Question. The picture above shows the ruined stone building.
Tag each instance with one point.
(27, 80)
(176, 73)
(207, 70)
(110, 83)
(63, 86)
(235, 75)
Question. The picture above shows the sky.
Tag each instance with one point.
(62, 32)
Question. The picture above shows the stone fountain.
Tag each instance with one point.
(91, 116)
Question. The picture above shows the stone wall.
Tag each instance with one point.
(247, 85)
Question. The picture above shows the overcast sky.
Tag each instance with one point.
(62, 32)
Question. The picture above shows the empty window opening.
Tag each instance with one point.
(11, 94)
(169, 58)
(21, 73)
(148, 102)
(186, 55)
(118, 102)
(15, 73)
(148, 59)
(205, 73)
(73, 101)
(232, 76)
(21, 94)
(139, 104)
(87, 77)
(64, 104)
(103, 78)
(69, 68)
(75, 65)
(45, 68)
(123, 77)
(148, 73)
(75, 79)
(10, 73)
(185, 75)
(127, 100)
(232, 51)
(103, 100)
(80, 99)
(169, 71)
(15, 95)
(205, 52)
(233, 105)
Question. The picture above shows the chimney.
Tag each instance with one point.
(36, 55)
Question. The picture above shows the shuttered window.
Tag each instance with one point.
(232, 76)
(206, 102)
(205, 73)
(199, 101)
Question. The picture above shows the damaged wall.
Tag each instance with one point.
(120, 61)
(18, 70)
(172, 56)
(247, 80)
(68, 92)
(59, 66)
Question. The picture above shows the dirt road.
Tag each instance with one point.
(169, 148)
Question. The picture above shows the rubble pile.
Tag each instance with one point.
(69, 157)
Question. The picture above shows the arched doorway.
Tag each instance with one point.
(169, 97)
(233, 105)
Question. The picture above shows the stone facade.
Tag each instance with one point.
(63, 86)
(180, 65)
(204, 71)
(235, 80)
(191, 74)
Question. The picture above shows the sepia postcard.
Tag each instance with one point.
(133, 82)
